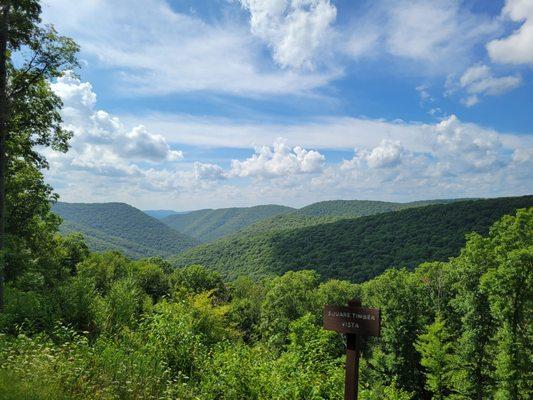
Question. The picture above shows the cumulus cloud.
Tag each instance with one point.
(295, 30)
(388, 154)
(455, 152)
(466, 148)
(394, 160)
(516, 48)
(141, 144)
(101, 142)
(279, 160)
(403, 161)
(206, 171)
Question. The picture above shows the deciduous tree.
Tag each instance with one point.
(30, 56)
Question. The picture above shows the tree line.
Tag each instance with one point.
(101, 326)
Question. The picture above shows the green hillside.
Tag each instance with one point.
(208, 225)
(355, 249)
(360, 208)
(331, 211)
(100, 242)
(118, 226)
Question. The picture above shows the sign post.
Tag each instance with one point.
(356, 322)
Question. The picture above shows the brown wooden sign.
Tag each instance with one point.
(355, 320)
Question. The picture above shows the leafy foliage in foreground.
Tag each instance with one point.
(118, 226)
(208, 225)
(353, 249)
(115, 328)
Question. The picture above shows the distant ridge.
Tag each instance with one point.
(207, 225)
(351, 248)
(361, 208)
(119, 226)
(211, 224)
(160, 214)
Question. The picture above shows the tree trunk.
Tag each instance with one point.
(3, 135)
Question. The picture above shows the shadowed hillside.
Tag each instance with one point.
(355, 249)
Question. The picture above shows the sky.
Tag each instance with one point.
(189, 104)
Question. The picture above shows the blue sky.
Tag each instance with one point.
(217, 103)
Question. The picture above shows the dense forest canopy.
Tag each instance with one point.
(360, 208)
(113, 328)
(118, 226)
(352, 249)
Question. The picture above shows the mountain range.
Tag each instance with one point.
(207, 225)
(351, 248)
(345, 239)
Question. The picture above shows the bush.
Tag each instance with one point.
(27, 311)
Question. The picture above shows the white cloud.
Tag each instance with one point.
(516, 48)
(434, 31)
(101, 142)
(153, 50)
(141, 144)
(387, 154)
(521, 156)
(471, 101)
(362, 41)
(295, 30)
(479, 80)
(424, 37)
(466, 148)
(279, 160)
(206, 171)
(394, 161)
(332, 133)
(462, 160)
(424, 94)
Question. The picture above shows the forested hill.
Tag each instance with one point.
(331, 211)
(207, 225)
(355, 249)
(210, 224)
(119, 226)
(360, 208)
